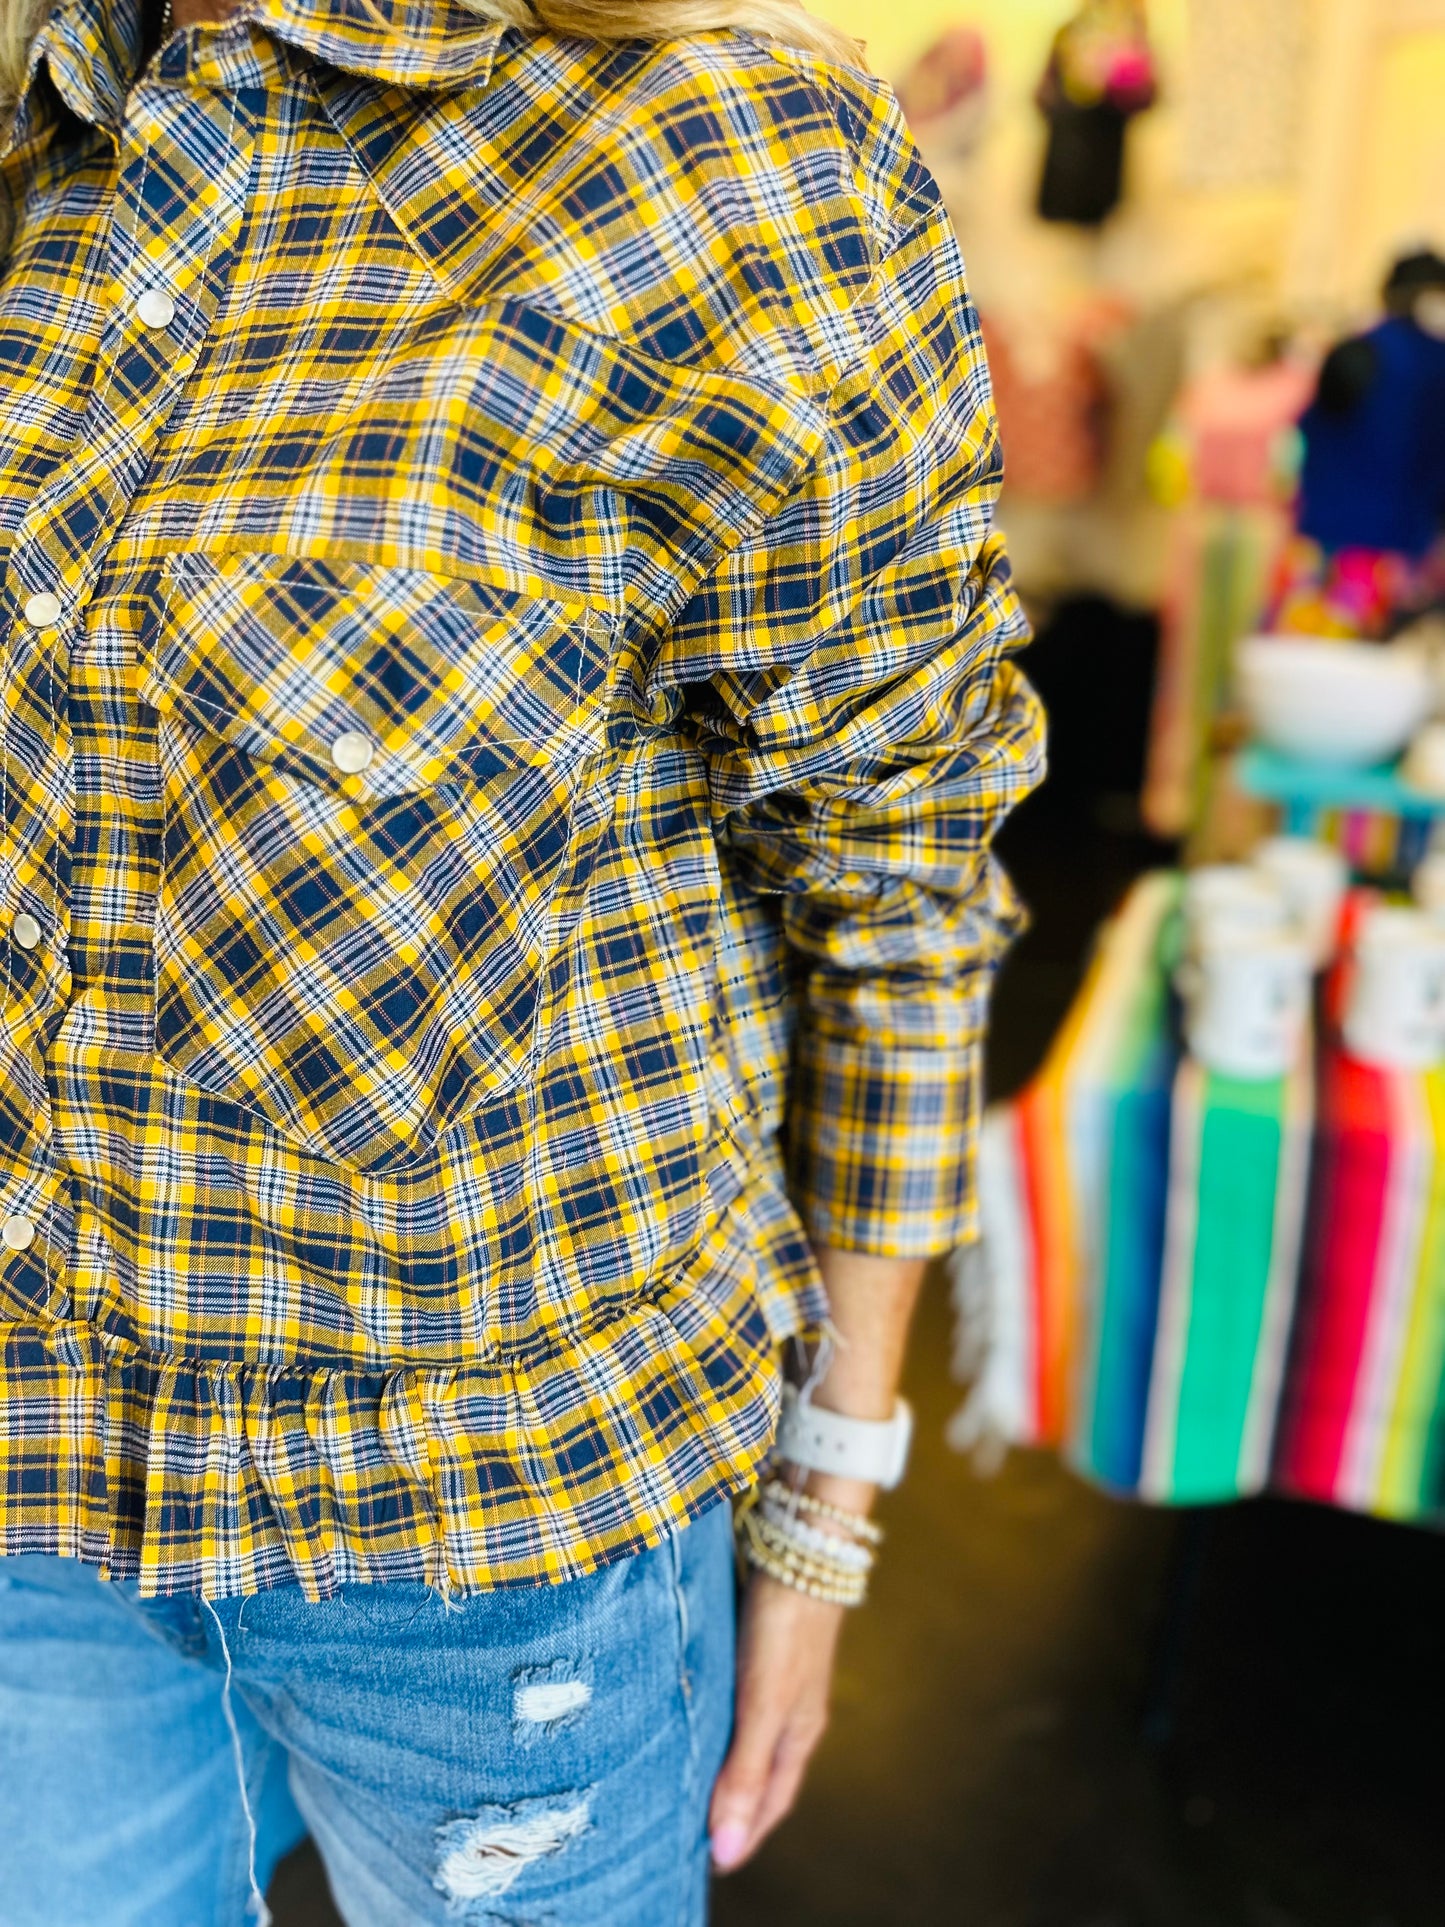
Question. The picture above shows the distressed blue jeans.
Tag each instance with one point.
(524, 1758)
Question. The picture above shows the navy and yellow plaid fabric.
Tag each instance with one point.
(507, 694)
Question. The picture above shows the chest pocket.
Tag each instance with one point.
(381, 792)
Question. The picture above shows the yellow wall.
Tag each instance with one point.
(1018, 31)
(1401, 198)
(1392, 128)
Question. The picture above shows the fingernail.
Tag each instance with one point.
(728, 1845)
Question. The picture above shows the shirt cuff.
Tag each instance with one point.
(882, 1145)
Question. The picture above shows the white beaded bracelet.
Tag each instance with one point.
(831, 1546)
(802, 1575)
(857, 1523)
(773, 1548)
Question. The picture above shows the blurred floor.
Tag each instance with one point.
(1061, 1711)
(1004, 1752)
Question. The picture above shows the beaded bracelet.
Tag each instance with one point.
(855, 1522)
(829, 1546)
(769, 1550)
(770, 1539)
(824, 1557)
(785, 1576)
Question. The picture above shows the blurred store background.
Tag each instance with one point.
(1158, 1638)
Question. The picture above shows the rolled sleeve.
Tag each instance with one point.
(886, 1084)
(863, 749)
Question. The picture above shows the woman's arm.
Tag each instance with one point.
(785, 1656)
(848, 678)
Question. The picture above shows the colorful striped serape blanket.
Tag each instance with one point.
(1198, 1287)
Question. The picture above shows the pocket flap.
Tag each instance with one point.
(374, 680)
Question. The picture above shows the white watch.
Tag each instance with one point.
(873, 1450)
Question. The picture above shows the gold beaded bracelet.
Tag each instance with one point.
(827, 1595)
(766, 1544)
(803, 1575)
(857, 1523)
(795, 1548)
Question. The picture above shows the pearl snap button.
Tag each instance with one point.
(352, 752)
(42, 611)
(26, 931)
(17, 1233)
(155, 308)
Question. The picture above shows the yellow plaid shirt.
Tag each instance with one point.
(507, 694)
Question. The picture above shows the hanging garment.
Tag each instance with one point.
(944, 94)
(1051, 417)
(1240, 423)
(1100, 74)
(1083, 164)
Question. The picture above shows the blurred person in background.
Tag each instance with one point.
(508, 693)
(1369, 553)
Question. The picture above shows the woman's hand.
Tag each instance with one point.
(786, 1645)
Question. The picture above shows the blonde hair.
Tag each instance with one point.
(20, 21)
(787, 21)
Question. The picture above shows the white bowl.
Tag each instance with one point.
(1347, 703)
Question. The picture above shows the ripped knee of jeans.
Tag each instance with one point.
(482, 1855)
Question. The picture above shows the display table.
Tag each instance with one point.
(1380, 823)
(1200, 1287)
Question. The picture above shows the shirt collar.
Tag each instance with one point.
(403, 43)
(94, 47)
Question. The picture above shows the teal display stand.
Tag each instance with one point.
(1305, 790)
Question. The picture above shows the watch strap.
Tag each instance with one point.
(872, 1450)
